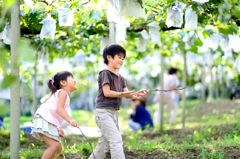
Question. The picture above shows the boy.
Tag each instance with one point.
(111, 86)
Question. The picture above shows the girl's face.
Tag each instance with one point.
(71, 83)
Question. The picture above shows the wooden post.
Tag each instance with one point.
(184, 91)
(15, 87)
(161, 94)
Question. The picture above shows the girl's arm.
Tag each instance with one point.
(62, 97)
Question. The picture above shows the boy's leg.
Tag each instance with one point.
(101, 148)
(106, 121)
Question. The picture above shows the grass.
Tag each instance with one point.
(213, 131)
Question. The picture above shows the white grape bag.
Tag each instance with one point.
(142, 45)
(29, 2)
(191, 19)
(134, 9)
(225, 44)
(103, 43)
(154, 32)
(121, 27)
(115, 9)
(214, 41)
(6, 34)
(234, 42)
(175, 15)
(208, 57)
(65, 17)
(201, 1)
(190, 71)
(228, 54)
(145, 34)
(48, 28)
(191, 57)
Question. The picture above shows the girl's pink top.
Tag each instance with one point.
(48, 110)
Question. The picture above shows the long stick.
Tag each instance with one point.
(88, 142)
(164, 90)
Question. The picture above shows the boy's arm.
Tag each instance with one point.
(113, 94)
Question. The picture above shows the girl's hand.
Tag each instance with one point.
(61, 133)
(74, 123)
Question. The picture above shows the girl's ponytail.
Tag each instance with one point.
(51, 86)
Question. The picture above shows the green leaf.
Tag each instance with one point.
(227, 29)
(169, 42)
(194, 48)
(205, 34)
(9, 3)
(140, 2)
(25, 51)
(234, 26)
(95, 1)
(4, 107)
(7, 81)
(164, 36)
(198, 42)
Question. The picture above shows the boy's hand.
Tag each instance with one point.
(142, 92)
(74, 123)
(61, 133)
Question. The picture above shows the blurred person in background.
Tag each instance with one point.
(170, 82)
(141, 119)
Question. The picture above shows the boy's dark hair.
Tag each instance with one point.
(172, 70)
(113, 49)
(54, 83)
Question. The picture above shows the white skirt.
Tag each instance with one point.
(41, 126)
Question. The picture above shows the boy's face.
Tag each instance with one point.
(117, 61)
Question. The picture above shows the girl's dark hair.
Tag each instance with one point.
(54, 83)
(113, 49)
(172, 70)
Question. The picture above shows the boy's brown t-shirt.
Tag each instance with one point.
(116, 83)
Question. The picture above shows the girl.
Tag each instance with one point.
(48, 118)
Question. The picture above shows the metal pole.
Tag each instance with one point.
(15, 87)
(203, 83)
(112, 40)
(210, 84)
(35, 89)
(217, 89)
(184, 85)
(111, 32)
(162, 94)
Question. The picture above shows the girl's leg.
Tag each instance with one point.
(53, 150)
